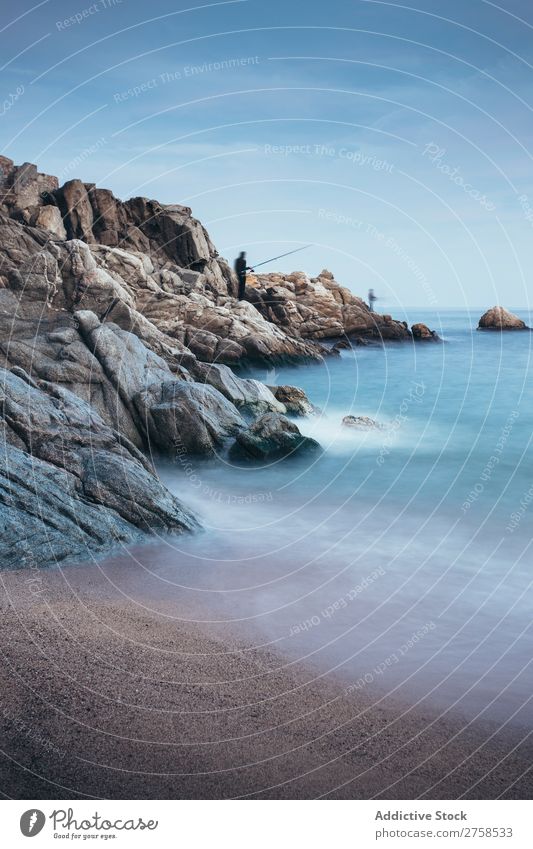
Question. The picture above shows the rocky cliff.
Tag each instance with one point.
(117, 324)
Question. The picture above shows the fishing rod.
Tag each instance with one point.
(295, 251)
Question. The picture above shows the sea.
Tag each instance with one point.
(397, 559)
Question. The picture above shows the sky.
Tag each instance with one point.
(394, 138)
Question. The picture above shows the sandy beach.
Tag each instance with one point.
(105, 699)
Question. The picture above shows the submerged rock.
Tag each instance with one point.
(498, 318)
(271, 437)
(341, 345)
(361, 423)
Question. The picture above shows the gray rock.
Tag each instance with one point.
(250, 396)
(127, 362)
(271, 437)
(45, 518)
(70, 484)
(361, 423)
(186, 418)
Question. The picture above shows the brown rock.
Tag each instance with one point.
(422, 333)
(76, 210)
(498, 318)
(294, 400)
(49, 217)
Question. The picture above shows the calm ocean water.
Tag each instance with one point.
(398, 559)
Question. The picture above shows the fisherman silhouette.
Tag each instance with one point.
(240, 270)
(371, 299)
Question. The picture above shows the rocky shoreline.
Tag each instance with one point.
(119, 325)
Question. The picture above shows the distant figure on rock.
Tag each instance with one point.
(371, 299)
(240, 270)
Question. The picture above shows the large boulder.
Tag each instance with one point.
(498, 318)
(271, 437)
(186, 418)
(49, 218)
(22, 187)
(250, 396)
(129, 365)
(45, 518)
(69, 484)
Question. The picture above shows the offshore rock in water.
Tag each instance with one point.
(361, 423)
(498, 318)
(422, 333)
(271, 437)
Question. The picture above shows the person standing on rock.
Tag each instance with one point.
(371, 299)
(240, 270)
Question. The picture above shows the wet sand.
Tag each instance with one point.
(102, 698)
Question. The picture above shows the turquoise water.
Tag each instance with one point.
(398, 559)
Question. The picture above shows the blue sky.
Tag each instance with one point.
(394, 138)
